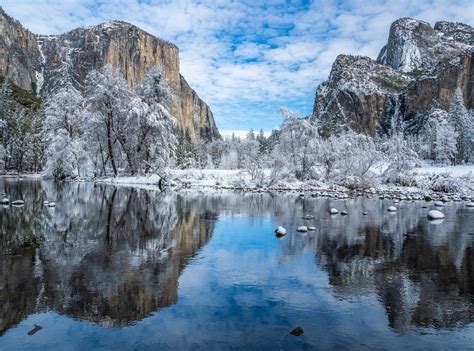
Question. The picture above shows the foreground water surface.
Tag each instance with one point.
(127, 269)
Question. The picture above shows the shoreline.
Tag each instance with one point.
(181, 181)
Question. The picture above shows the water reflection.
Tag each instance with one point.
(113, 256)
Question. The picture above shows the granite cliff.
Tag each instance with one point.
(42, 63)
(421, 67)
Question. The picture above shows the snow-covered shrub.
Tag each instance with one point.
(443, 183)
(400, 159)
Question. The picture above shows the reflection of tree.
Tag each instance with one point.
(419, 281)
(108, 255)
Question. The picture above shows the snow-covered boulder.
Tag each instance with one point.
(435, 214)
(5, 201)
(344, 213)
(392, 209)
(333, 211)
(470, 204)
(311, 229)
(365, 213)
(280, 231)
(18, 203)
(308, 216)
(302, 229)
(439, 204)
(52, 204)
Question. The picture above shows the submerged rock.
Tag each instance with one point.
(280, 231)
(435, 214)
(333, 211)
(297, 331)
(392, 209)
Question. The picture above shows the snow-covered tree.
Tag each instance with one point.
(155, 145)
(63, 131)
(108, 100)
(445, 144)
(463, 124)
(297, 142)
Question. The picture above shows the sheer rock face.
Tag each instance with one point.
(69, 57)
(420, 67)
(20, 58)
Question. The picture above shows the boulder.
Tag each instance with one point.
(435, 214)
(311, 229)
(470, 204)
(52, 204)
(297, 331)
(392, 209)
(280, 231)
(439, 204)
(344, 213)
(302, 229)
(5, 201)
(18, 203)
(333, 211)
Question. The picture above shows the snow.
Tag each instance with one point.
(435, 214)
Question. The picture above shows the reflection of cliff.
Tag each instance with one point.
(108, 256)
(421, 282)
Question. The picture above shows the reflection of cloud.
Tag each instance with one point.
(248, 58)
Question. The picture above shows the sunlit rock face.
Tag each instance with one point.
(43, 63)
(20, 58)
(421, 67)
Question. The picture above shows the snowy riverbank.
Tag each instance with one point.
(455, 182)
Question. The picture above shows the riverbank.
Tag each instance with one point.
(438, 183)
(454, 183)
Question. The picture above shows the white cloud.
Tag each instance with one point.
(248, 58)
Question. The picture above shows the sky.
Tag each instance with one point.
(247, 59)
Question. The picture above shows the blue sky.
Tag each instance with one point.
(248, 58)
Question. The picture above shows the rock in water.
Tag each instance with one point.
(280, 231)
(18, 203)
(297, 331)
(52, 204)
(5, 201)
(344, 213)
(392, 209)
(302, 229)
(333, 211)
(435, 214)
(439, 204)
(365, 213)
(312, 229)
(470, 204)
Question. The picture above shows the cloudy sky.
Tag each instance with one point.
(248, 58)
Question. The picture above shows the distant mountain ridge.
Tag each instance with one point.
(420, 67)
(42, 63)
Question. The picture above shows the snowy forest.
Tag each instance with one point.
(110, 130)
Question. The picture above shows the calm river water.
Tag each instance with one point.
(126, 269)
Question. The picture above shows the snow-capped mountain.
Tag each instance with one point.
(419, 69)
(42, 63)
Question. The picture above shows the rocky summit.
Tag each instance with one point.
(42, 63)
(420, 68)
